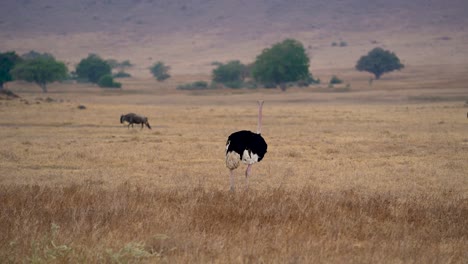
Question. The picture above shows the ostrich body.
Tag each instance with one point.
(132, 118)
(245, 146)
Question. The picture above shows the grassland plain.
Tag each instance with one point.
(379, 182)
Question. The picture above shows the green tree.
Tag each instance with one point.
(92, 68)
(40, 71)
(160, 71)
(379, 61)
(8, 60)
(284, 62)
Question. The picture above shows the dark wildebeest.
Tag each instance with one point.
(132, 118)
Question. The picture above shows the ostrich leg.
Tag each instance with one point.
(231, 178)
(247, 173)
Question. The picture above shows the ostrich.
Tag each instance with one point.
(132, 118)
(247, 147)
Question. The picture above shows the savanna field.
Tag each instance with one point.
(372, 175)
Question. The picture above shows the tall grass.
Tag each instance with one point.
(85, 223)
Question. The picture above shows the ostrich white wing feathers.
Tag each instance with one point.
(248, 157)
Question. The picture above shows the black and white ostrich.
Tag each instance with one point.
(247, 147)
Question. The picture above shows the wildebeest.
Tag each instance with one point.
(132, 118)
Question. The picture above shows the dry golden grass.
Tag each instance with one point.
(380, 182)
(85, 223)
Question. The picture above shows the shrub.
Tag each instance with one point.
(92, 68)
(335, 80)
(198, 85)
(119, 65)
(122, 74)
(307, 81)
(250, 85)
(230, 74)
(160, 71)
(270, 85)
(234, 84)
(107, 81)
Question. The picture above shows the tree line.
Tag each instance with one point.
(281, 64)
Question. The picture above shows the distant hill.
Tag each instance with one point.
(189, 35)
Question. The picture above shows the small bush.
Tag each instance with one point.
(234, 84)
(309, 80)
(122, 74)
(119, 65)
(341, 44)
(198, 85)
(335, 80)
(107, 81)
(92, 68)
(160, 71)
(230, 74)
(250, 85)
(269, 85)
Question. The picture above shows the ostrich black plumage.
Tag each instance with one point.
(247, 147)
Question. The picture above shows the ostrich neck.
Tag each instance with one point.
(259, 128)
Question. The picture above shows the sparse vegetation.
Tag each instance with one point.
(234, 84)
(335, 80)
(41, 71)
(119, 65)
(379, 61)
(216, 63)
(282, 63)
(198, 85)
(92, 68)
(340, 44)
(122, 74)
(160, 71)
(107, 81)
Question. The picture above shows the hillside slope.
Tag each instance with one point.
(189, 35)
